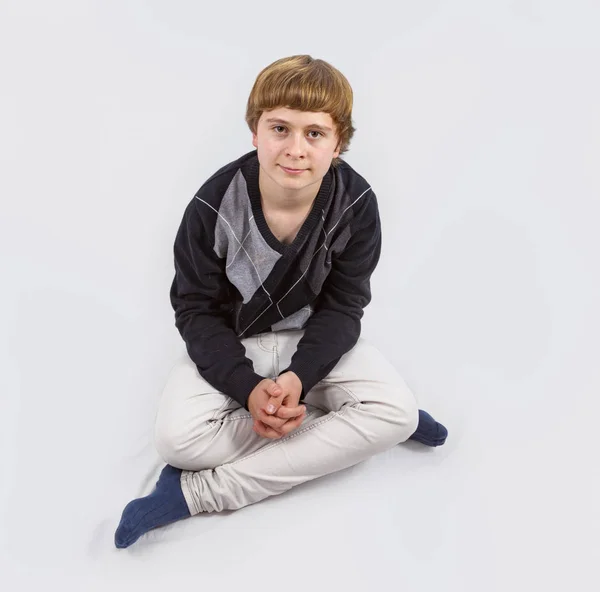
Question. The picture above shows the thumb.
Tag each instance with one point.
(276, 394)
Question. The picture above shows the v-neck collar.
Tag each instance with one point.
(259, 217)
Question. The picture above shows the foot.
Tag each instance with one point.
(429, 431)
(164, 505)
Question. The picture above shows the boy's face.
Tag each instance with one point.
(302, 140)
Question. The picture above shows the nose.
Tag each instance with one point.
(296, 146)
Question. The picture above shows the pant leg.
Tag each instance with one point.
(363, 407)
(198, 427)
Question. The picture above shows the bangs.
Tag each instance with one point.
(305, 89)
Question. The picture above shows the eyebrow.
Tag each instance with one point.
(313, 125)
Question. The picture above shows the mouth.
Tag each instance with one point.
(293, 171)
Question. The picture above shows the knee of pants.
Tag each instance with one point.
(409, 419)
(177, 444)
(402, 420)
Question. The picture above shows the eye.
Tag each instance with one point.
(276, 128)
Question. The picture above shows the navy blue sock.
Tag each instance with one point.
(429, 431)
(164, 505)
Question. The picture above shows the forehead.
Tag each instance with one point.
(297, 118)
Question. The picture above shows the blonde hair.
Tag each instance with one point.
(306, 84)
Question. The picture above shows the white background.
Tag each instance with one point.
(478, 126)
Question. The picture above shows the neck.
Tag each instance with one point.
(276, 198)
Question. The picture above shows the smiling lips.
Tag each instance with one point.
(293, 171)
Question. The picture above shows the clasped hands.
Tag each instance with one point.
(274, 406)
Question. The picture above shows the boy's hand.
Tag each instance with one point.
(265, 400)
(285, 406)
(292, 388)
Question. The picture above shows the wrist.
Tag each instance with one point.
(290, 380)
(291, 375)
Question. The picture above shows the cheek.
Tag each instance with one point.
(267, 154)
(325, 161)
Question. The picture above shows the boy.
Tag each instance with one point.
(272, 266)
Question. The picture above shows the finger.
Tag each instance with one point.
(274, 403)
(292, 424)
(274, 390)
(265, 431)
(290, 412)
(271, 420)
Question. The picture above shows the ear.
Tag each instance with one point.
(254, 140)
(337, 150)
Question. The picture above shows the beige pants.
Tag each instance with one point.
(361, 408)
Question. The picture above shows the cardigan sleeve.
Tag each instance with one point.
(200, 296)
